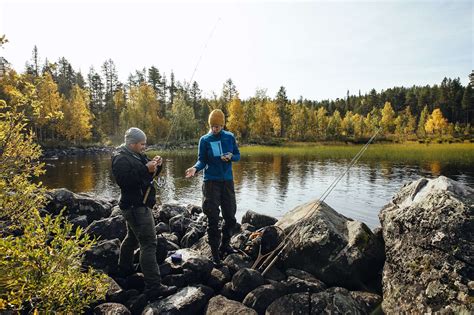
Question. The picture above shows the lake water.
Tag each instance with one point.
(268, 183)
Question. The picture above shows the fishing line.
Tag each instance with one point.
(271, 259)
(159, 181)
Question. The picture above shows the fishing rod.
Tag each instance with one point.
(155, 179)
(275, 254)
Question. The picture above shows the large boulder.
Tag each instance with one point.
(296, 303)
(199, 266)
(77, 204)
(341, 301)
(221, 305)
(166, 211)
(428, 231)
(189, 300)
(245, 280)
(261, 297)
(337, 250)
(258, 220)
(104, 255)
(218, 278)
(108, 228)
(334, 300)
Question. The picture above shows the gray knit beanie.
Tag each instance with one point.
(134, 135)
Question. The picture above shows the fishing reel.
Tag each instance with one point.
(159, 182)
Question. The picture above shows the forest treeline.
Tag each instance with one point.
(64, 106)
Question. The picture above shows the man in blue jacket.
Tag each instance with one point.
(217, 150)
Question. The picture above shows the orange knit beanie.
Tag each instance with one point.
(216, 118)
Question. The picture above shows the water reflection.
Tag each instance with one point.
(272, 184)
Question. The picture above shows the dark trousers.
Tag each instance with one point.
(219, 193)
(140, 232)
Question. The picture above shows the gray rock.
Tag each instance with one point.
(104, 255)
(162, 227)
(79, 221)
(235, 262)
(180, 280)
(297, 303)
(166, 211)
(191, 237)
(179, 224)
(111, 309)
(301, 274)
(367, 301)
(108, 228)
(221, 305)
(114, 292)
(193, 209)
(137, 303)
(218, 278)
(245, 280)
(116, 211)
(229, 293)
(240, 240)
(189, 300)
(260, 298)
(248, 227)
(258, 220)
(275, 274)
(296, 285)
(77, 204)
(340, 301)
(171, 237)
(428, 232)
(202, 246)
(199, 265)
(337, 250)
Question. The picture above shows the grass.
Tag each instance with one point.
(460, 153)
(455, 152)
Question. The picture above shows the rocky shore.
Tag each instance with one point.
(419, 261)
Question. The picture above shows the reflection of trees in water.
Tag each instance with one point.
(435, 168)
(301, 169)
(281, 171)
(386, 169)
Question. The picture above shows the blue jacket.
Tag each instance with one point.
(209, 156)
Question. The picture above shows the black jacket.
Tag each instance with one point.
(133, 178)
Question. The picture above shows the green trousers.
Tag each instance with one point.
(140, 232)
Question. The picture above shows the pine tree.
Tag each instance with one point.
(282, 105)
(468, 103)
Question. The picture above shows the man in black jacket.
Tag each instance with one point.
(133, 172)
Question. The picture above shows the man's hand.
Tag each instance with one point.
(151, 166)
(226, 157)
(158, 159)
(190, 172)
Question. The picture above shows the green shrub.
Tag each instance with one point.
(41, 268)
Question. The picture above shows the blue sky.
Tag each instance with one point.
(317, 49)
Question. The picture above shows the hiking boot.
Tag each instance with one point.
(160, 291)
(226, 249)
